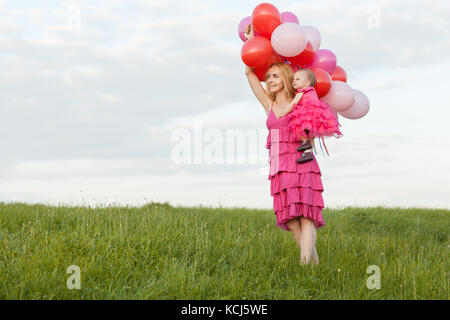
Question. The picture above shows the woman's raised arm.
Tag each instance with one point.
(258, 89)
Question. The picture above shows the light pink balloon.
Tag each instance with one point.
(324, 59)
(288, 39)
(288, 17)
(335, 113)
(242, 25)
(359, 108)
(313, 36)
(340, 97)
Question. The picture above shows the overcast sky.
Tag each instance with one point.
(95, 94)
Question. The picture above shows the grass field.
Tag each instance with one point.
(162, 252)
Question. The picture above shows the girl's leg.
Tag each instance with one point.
(304, 144)
(295, 227)
(306, 148)
(308, 240)
(311, 140)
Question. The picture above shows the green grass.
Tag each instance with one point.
(162, 252)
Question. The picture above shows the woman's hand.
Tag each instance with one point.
(248, 32)
(248, 70)
(248, 28)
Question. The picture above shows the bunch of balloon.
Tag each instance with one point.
(257, 52)
(279, 37)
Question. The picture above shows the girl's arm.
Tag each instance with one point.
(296, 99)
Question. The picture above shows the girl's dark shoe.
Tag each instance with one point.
(305, 145)
(305, 157)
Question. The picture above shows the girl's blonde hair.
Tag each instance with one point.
(287, 77)
(310, 76)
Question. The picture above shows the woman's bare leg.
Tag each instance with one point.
(295, 227)
(308, 240)
(315, 257)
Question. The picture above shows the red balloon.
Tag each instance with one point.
(261, 71)
(265, 19)
(275, 58)
(304, 58)
(323, 83)
(256, 52)
(339, 74)
(294, 68)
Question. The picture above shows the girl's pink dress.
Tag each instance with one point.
(296, 188)
(314, 115)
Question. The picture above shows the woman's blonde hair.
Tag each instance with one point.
(287, 77)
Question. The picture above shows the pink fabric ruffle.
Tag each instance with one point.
(313, 115)
(296, 188)
(298, 194)
(278, 148)
(293, 210)
(288, 162)
(285, 180)
(279, 135)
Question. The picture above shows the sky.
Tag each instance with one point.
(98, 99)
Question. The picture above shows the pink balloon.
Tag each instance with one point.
(288, 39)
(324, 59)
(359, 108)
(313, 36)
(242, 25)
(340, 97)
(288, 17)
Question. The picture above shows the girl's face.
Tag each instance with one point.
(300, 80)
(274, 82)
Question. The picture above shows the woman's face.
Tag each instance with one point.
(274, 82)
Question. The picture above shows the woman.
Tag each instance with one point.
(296, 188)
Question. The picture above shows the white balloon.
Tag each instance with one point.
(289, 39)
(359, 108)
(313, 36)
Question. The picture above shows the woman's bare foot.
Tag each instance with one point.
(315, 260)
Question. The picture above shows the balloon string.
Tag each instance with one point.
(320, 144)
(314, 145)
(325, 146)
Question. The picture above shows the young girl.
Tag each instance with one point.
(311, 117)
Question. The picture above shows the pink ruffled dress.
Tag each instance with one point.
(313, 115)
(296, 188)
